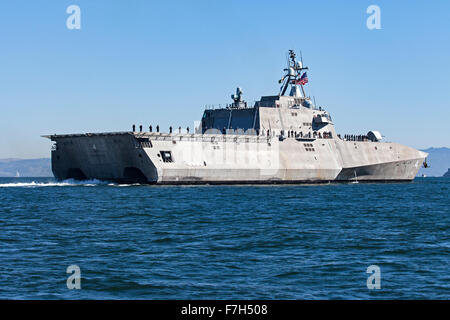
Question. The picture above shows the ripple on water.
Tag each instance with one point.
(236, 242)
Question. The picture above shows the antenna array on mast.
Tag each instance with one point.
(293, 74)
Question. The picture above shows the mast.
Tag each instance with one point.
(293, 73)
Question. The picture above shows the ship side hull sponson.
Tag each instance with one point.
(156, 158)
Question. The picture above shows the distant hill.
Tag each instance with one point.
(25, 167)
(447, 174)
(438, 162)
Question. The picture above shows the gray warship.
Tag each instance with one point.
(282, 138)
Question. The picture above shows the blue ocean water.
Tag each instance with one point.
(224, 242)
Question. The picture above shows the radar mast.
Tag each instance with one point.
(293, 76)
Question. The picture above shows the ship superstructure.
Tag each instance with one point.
(280, 139)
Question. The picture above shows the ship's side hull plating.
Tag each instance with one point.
(103, 157)
(228, 159)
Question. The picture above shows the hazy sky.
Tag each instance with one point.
(161, 62)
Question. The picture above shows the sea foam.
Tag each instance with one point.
(64, 183)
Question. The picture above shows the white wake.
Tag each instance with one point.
(65, 183)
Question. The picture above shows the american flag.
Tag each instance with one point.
(303, 79)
